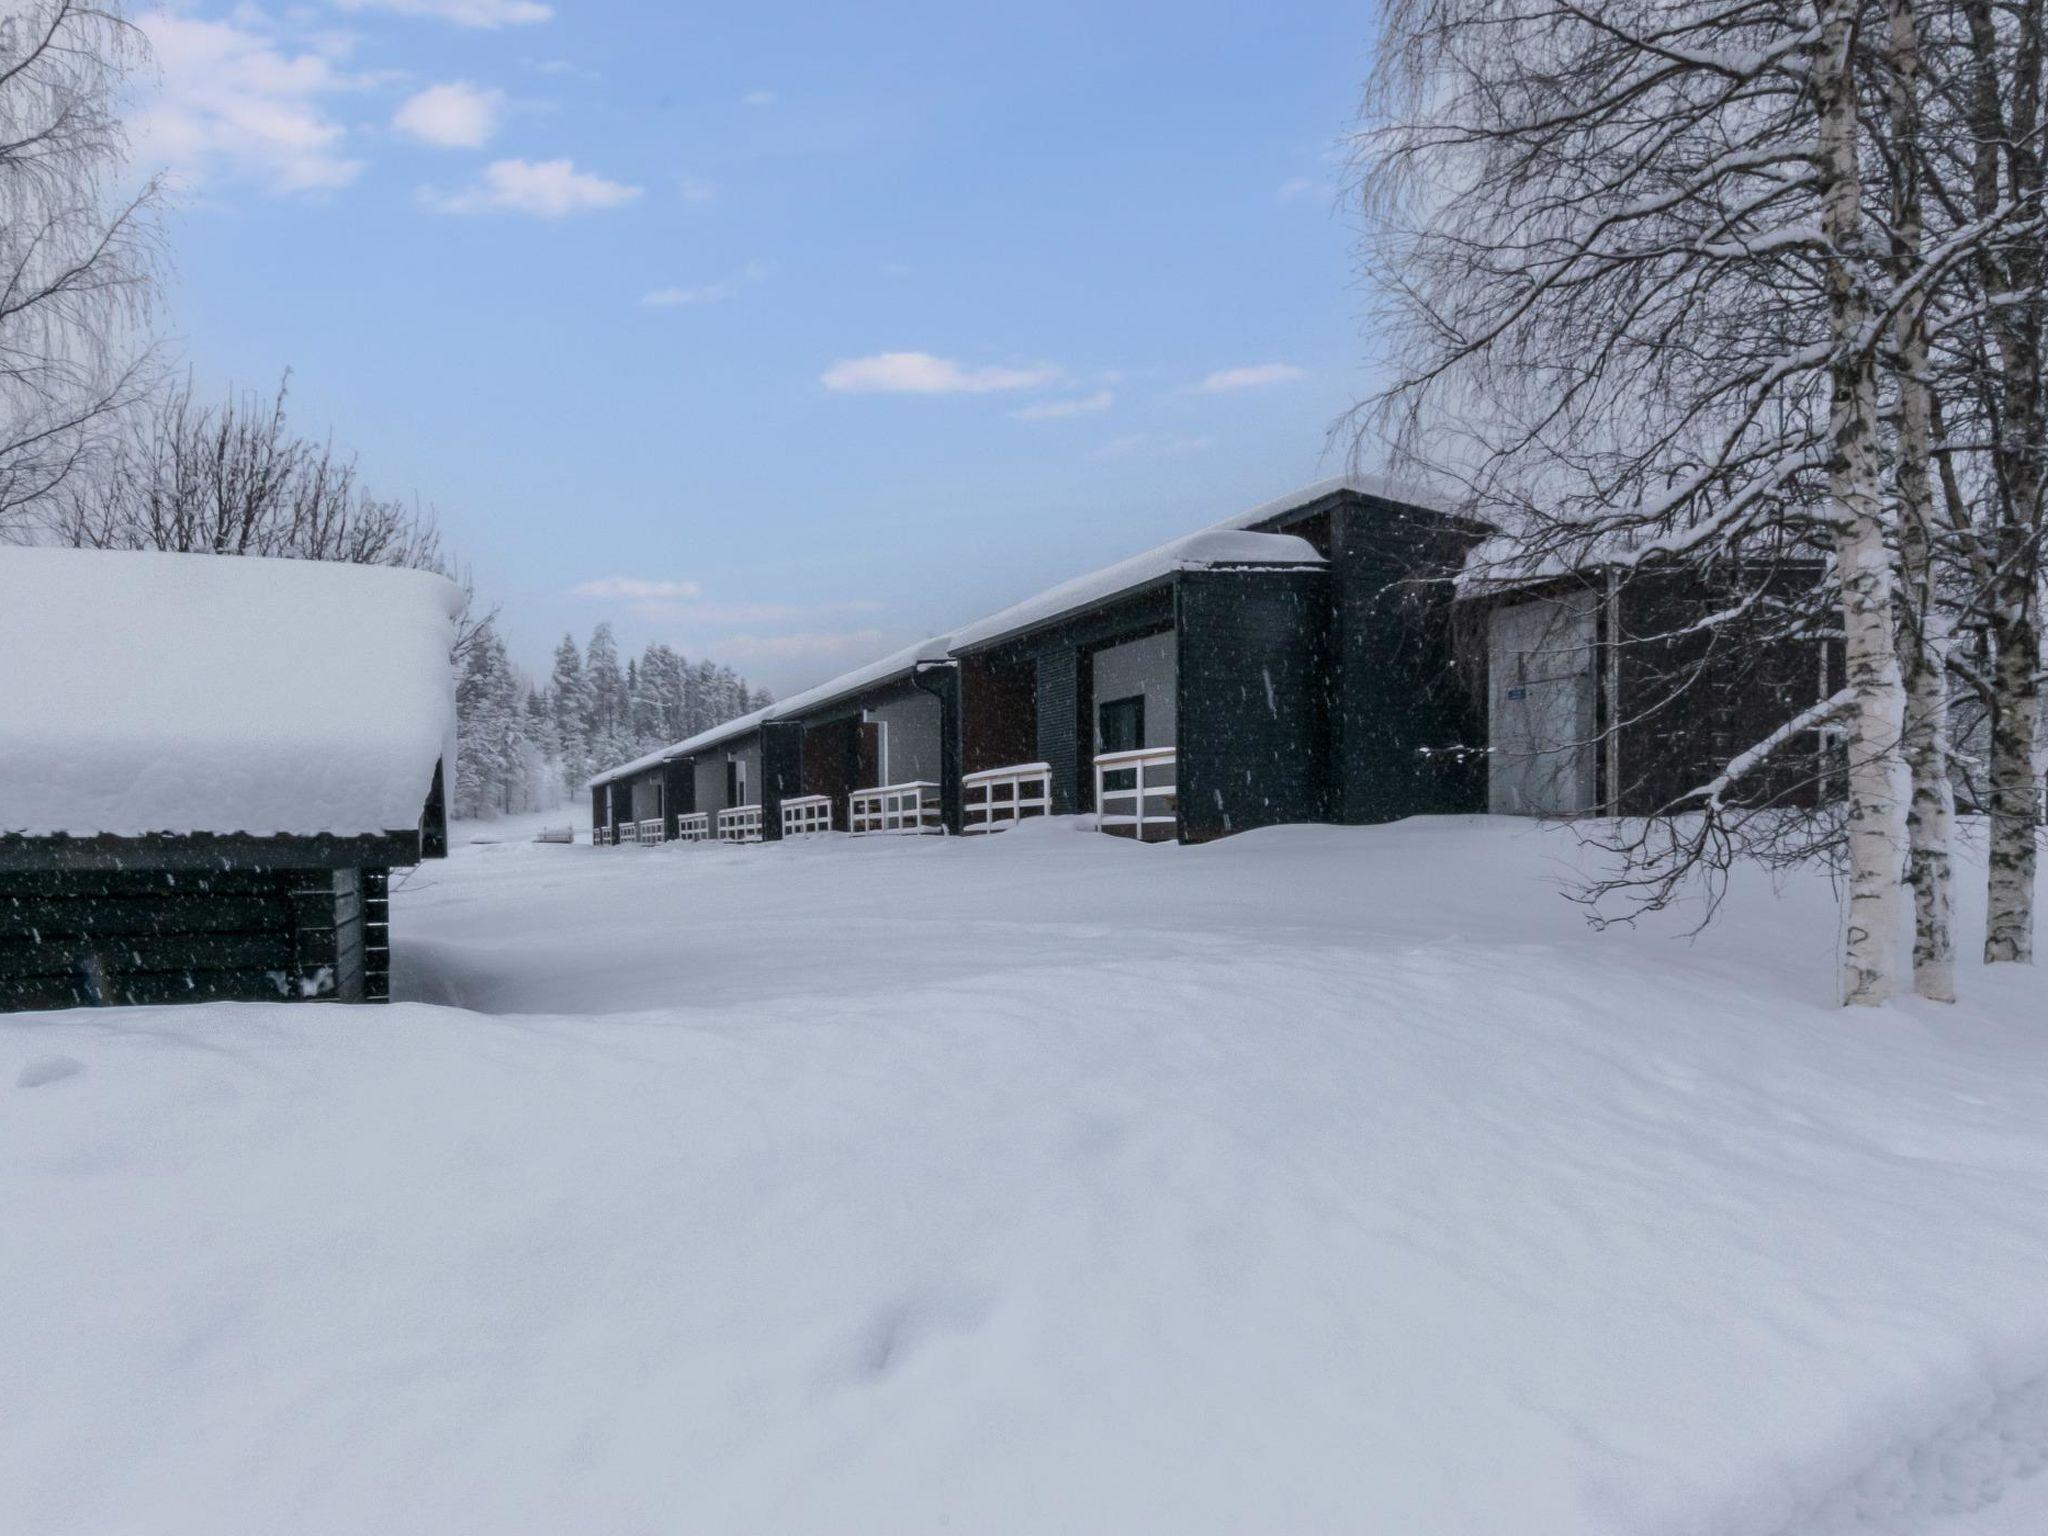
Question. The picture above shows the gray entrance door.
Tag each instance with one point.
(1542, 708)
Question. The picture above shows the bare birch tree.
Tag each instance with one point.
(76, 250)
(1923, 628)
(2003, 109)
(1625, 258)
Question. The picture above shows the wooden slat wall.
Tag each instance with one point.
(77, 938)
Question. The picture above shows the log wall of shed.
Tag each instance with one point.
(80, 938)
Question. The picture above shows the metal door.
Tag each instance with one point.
(1542, 707)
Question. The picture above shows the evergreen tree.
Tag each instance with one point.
(569, 705)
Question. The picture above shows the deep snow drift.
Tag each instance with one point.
(1317, 1180)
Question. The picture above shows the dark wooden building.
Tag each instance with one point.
(208, 768)
(1615, 690)
(1292, 664)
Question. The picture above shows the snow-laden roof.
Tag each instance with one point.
(1194, 551)
(158, 693)
(899, 663)
(896, 664)
(1226, 543)
(739, 725)
(1383, 487)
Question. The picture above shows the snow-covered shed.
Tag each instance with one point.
(208, 767)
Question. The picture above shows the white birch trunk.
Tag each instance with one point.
(1923, 636)
(1876, 718)
(2015, 786)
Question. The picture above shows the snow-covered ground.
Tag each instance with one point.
(1318, 1180)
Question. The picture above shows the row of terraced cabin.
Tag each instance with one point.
(1292, 664)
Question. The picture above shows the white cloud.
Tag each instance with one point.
(546, 189)
(1058, 410)
(464, 13)
(1148, 445)
(920, 373)
(706, 293)
(760, 98)
(1294, 187)
(233, 103)
(454, 115)
(634, 587)
(695, 190)
(1256, 376)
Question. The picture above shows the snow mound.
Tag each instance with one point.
(149, 692)
(1320, 1180)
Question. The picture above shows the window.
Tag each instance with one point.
(1120, 725)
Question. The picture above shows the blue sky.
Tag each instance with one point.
(786, 333)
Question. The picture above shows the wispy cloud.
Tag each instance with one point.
(1294, 187)
(452, 115)
(542, 189)
(1059, 410)
(694, 189)
(634, 587)
(1255, 376)
(488, 14)
(236, 103)
(760, 98)
(707, 293)
(1149, 445)
(920, 373)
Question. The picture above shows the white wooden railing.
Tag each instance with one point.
(693, 827)
(626, 832)
(1134, 793)
(996, 797)
(603, 835)
(804, 814)
(912, 807)
(651, 830)
(739, 824)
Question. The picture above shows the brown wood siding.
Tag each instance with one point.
(998, 714)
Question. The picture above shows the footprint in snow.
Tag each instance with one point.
(48, 1069)
(899, 1328)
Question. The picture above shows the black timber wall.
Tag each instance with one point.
(1252, 739)
(678, 793)
(1688, 697)
(782, 772)
(76, 938)
(1061, 709)
(1406, 731)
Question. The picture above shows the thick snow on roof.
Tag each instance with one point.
(1211, 547)
(1385, 488)
(145, 693)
